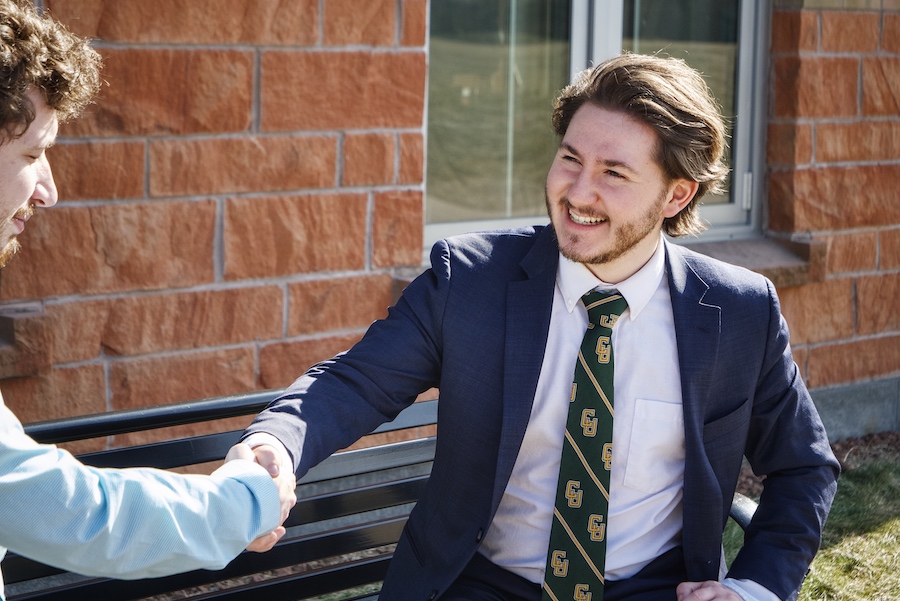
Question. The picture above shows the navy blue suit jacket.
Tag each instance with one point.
(475, 326)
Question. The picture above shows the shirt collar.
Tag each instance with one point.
(574, 280)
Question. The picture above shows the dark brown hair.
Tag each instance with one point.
(38, 53)
(674, 100)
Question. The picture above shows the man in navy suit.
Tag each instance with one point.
(704, 373)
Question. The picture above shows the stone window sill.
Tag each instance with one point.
(787, 263)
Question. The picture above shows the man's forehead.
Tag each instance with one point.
(613, 138)
(44, 127)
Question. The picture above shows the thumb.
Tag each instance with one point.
(686, 588)
(268, 457)
(240, 451)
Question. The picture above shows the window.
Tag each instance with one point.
(495, 67)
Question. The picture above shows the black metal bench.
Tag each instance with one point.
(349, 514)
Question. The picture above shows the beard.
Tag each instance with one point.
(7, 252)
(12, 245)
(624, 238)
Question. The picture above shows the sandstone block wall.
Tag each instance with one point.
(232, 207)
(834, 168)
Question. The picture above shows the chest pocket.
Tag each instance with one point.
(655, 457)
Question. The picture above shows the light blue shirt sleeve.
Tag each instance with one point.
(750, 590)
(131, 523)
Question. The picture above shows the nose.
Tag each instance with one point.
(583, 191)
(45, 193)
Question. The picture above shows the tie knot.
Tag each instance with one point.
(604, 308)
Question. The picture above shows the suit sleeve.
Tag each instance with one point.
(129, 523)
(788, 445)
(344, 398)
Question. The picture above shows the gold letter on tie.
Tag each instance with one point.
(596, 527)
(588, 423)
(574, 493)
(560, 563)
(603, 350)
(608, 321)
(581, 592)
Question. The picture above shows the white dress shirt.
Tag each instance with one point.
(645, 491)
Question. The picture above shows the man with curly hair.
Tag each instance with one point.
(124, 523)
(48, 76)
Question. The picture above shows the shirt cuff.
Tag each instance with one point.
(257, 479)
(260, 438)
(748, 590)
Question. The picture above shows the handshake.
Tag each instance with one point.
(269, 458)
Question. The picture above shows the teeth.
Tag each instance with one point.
(585, 220)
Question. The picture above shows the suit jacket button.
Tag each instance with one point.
(480, 535)
(433, 595)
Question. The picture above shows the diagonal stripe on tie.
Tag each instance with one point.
(549, 593)
(584, 554)
(596, 384)
(587, 466)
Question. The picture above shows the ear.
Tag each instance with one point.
(681, 191)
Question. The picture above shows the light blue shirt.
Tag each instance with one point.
(132, 523)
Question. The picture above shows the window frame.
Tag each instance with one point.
(596, 34)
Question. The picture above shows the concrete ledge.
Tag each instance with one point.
(858, 409)
(787, 263)
(828, 5)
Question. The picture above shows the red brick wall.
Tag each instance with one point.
(231, 208)
(834, 175)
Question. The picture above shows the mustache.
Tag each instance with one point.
(584, 212)
(567, 206)
(25, 212)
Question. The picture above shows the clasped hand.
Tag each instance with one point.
(267, 457)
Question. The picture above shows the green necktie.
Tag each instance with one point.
(576, 557)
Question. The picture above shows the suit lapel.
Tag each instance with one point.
(697, 329)
(528, 307)
(697, 333)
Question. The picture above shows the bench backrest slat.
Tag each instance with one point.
(83, 427)
(343, 503)
(167, 454)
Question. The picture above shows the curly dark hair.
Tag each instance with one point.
(37, 52)
(674, 100)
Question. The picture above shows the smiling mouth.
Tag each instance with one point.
(24, 214)
(580, 220)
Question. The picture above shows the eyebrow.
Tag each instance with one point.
(42, 146)
(605, 162)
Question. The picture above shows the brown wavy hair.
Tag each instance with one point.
(674, 100)
(37, 52)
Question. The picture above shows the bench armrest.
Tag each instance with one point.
(742, 510)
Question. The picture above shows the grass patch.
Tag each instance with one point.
(860, 555)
